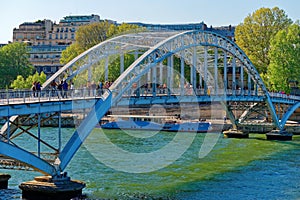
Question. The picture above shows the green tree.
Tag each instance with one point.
(89, 35)
(21, 83)
(13, 62)
(70, 53)
(255, 33)
(285, 58)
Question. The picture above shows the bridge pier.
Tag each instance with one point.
(4, 181)
(47, 187)
(281, 135)
(235, 133)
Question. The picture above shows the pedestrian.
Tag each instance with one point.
(53, 87)
(33, 88)
(72, 88)
(59, 89)
(38, 88)
(100, 88)
(65, 87)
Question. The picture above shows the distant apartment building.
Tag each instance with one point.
(46, 40)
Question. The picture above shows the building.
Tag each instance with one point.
(227, 31)
(33, 33)
(46, 40)
(175, 27)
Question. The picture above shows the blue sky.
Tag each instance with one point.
(212, 12)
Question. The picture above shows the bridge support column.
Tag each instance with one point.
(4, 180)
(47, 187)
(281, 135)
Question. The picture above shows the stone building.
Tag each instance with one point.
(46, 40)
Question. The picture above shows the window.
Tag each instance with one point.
(53, 69)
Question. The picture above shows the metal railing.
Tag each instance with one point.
(29, 96)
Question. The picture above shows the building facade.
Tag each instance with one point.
(46, 40)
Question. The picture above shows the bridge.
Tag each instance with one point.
(152, 68)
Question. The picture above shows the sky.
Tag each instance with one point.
(212, 12)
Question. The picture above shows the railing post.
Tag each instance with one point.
(7, 97)
(24, 96)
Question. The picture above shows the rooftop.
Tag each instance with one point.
(80, 18)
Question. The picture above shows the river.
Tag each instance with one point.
(251, 168)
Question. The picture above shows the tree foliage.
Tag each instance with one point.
(257, 30)
(13, 62)
(92, 34)
(21, 83)
(284, 57)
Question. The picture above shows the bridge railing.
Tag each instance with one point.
(28, 96)
(285, 96)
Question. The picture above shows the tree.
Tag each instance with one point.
(89, 35)
(255, 33)
(21, 83)
(70, 53)
(284, 57)
(13, 62)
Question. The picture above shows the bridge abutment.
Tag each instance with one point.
(47, 187)
(4, 181)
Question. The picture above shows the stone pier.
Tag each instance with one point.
(282, 135)
(4, 181)
(234, 133)
(47, 187)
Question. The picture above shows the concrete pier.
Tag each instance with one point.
(234, 133)
(4, 181)
(46, 187)
(279, 135)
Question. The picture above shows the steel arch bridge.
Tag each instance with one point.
(214, 67)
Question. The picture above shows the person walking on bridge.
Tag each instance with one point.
(65, 87)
